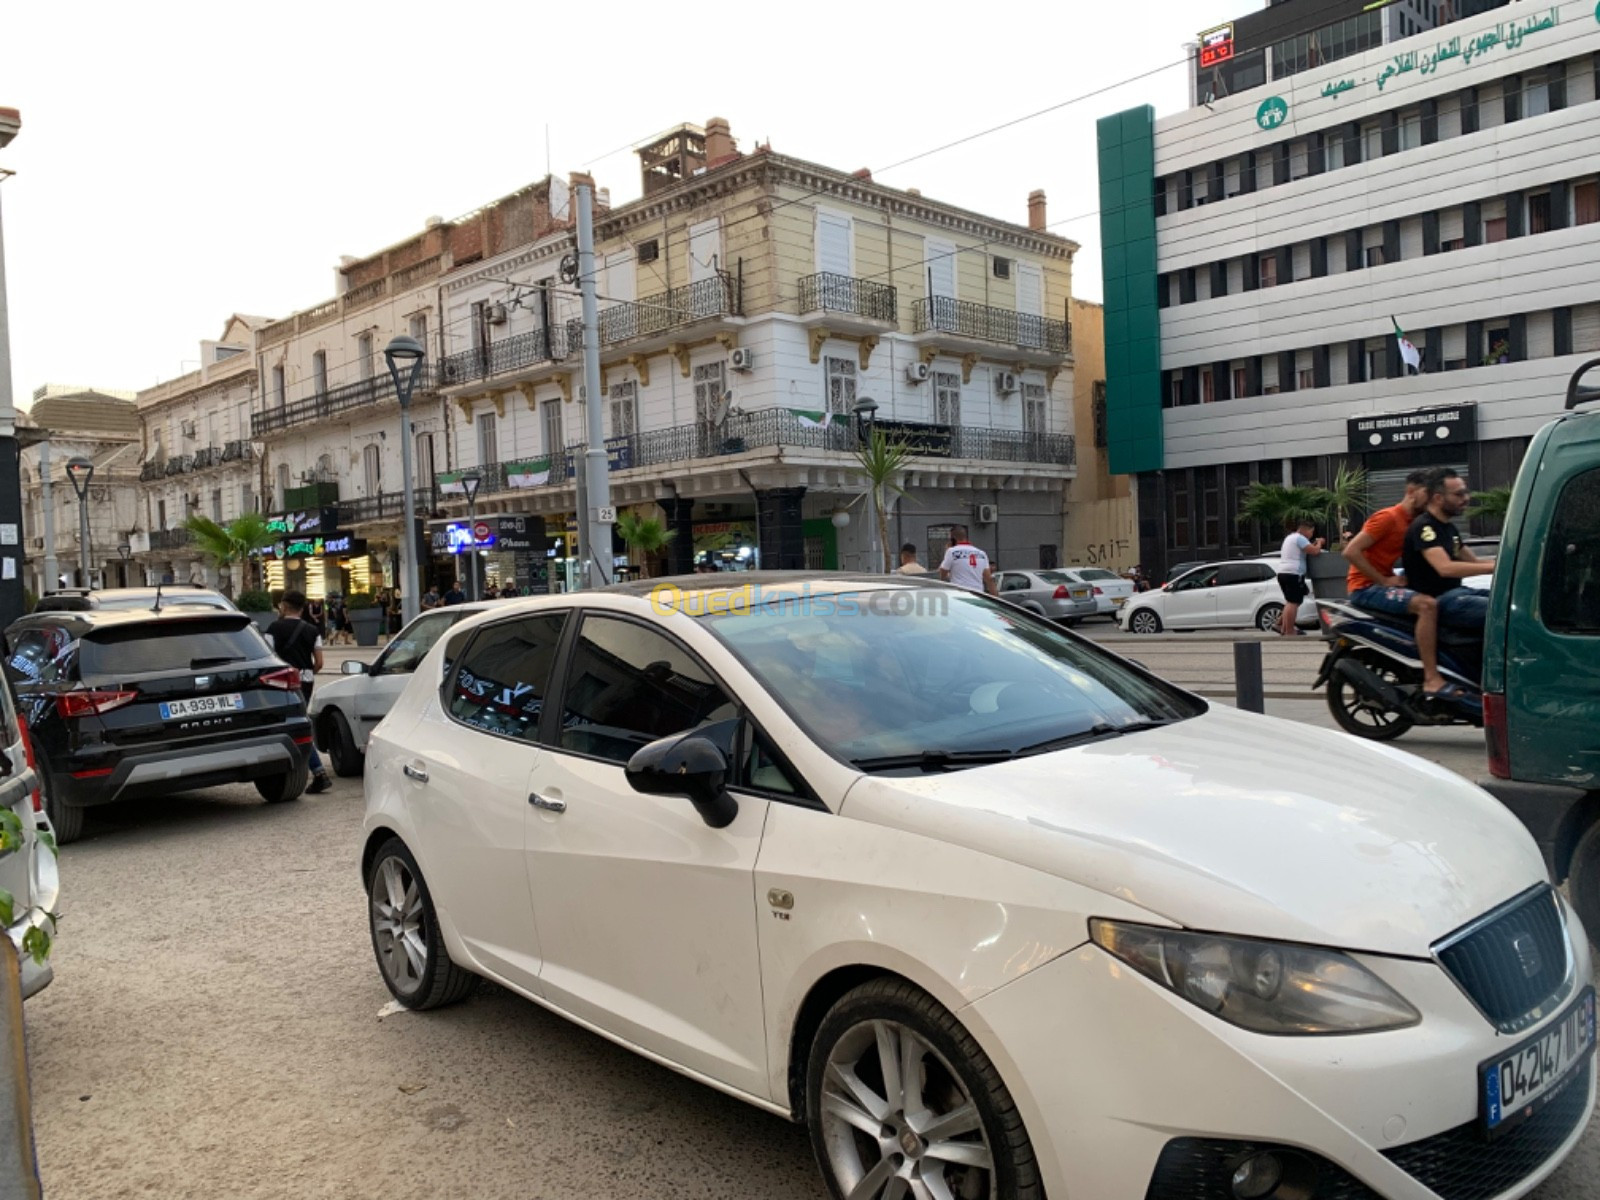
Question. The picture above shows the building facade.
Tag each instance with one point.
(101, 425)
(751, 304)
(1263, 251)
(197, 456)
(1099, 519)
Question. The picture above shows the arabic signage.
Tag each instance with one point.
(1426, 427)
(925, 441)
(1216, 45)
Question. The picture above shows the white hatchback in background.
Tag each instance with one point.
(995, 913)
(1230, 595)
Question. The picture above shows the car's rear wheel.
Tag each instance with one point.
(411, 955)
(66, 819)
(280, 789)
(347, 759)
(1583, 881)
(902, 1101)
(1361, 715)
(1270, 617)
(1144, 621)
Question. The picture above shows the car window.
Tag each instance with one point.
(764, 772)
(1059, 577)
(412, 644)
(1013, 583)
(1250, 572)
(1094, 574)
(1197, 579)
(1569, 583)
(39, 654)
(629, 685)
(504, 676)
(156, 645)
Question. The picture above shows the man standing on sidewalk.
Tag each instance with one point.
(297, 642)
(965, 565)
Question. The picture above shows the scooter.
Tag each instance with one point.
(1374, 677)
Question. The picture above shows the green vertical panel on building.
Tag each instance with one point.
(822, 527)
(1127, 161)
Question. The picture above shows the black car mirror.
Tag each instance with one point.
(686, 765)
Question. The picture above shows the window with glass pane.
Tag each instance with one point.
(1570, 581)
(364, 355)
(319, 371)
(411, 646)
(1539, 213)
(709, 386)
(1035, 408)
(841, 377)
(1586, 203)
(624, 408)
(1178, 500)
(947, 398)
(629, 685)
(505, 676)
(1211, 509)
(488, 446)
(553, 445)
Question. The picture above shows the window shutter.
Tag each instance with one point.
(833, 243)
(1030, 290)
(705, 249)
(941, 266)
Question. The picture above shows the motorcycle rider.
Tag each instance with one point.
(1373, 585)
(1436, 560)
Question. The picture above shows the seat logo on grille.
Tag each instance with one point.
(1527, 951)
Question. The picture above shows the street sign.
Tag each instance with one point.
(1426, 427)
(1216, 45)
(606, 516)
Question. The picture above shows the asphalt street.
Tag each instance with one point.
(217, 1028)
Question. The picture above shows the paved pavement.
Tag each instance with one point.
(215, 1030)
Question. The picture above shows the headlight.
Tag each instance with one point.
(1266, 987)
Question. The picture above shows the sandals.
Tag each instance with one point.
(1450, 691)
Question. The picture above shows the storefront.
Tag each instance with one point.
(314, 556)
(510, 548)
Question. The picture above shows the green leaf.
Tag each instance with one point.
(36, 944)
(48, 841)
(7, 905)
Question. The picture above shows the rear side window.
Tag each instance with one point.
(1243, 573)
(505, 676)
(1569, 585)
(170, 646)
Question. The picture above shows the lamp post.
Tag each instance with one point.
(471, 481)
(404, 355)
(11, 598)
(79, 472)
(125, 551)
(865, 409)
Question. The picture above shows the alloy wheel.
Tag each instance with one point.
(399, 925)
(1267, 619)
(897, 1121)
(1145, 621)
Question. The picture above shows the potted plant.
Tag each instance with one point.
(257, 605)
(366, 617)
(645, 537)
(882, 461)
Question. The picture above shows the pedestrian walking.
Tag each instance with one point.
(1297, 546)
(455, 595)
(296, 640)
(965, 565)
(394, 611)
(316, 613)
(908, 561)
(339, 620)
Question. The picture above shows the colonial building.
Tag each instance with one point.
(197, 455)
(103, 426)
(751, 305)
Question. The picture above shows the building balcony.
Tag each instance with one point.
(170, 539)
(847, 302)
(205, 458)
(335, 402)
(510, 354)
(663, 315)
(151, 471)
(238, 451)
(179, 464)
(386, 506)
(963, 325)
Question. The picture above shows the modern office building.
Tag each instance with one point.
(1262, 248)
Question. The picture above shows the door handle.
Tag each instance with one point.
(548, 803)
(420, 774)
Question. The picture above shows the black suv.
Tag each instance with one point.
(124, 704)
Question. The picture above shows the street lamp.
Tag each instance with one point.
(404, 355)
(125, 551)
(471, 481)
(79, 472)
(865, 409)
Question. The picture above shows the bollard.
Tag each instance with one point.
(1249, 693)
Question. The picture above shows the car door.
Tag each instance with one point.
(1014, 587)
(646, 914)
(376, 692)
(1191, 601)
(468, 780)
(1240, 591)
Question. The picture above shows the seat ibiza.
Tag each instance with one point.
(995, 913)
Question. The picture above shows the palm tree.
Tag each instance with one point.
(643, 535)
(234, 542)
(1494, 503)
(1349, 493)
(882, 461)
(1273, 506)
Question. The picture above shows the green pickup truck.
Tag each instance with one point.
(1541, 663)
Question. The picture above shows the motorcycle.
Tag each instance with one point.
(1374, 677)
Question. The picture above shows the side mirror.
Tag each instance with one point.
(353, 667)
(685, 765)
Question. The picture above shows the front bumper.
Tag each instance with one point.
(163, 769)
(1111, 1070)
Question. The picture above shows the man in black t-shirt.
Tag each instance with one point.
(299, 643)
(1436, 560)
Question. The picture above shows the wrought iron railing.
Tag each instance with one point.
(205, 458)
(386, 506)
(152, 470)
(945, 314)
(335, 401)
(827, 292)
(179, 464)
(238, 451)
(508, 354)
(170, 539)
(663, 312)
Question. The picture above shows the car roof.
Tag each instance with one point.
(81, 621)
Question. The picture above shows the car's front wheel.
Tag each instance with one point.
(342, 750)
(901, 1101)
(1144, 621)
(411, 954)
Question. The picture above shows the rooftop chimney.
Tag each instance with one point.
(719, 142)
(864, 173)
(1036, 218)
(431, 222)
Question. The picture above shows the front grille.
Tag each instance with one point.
(1459, 1164)
(1514, 962)
(1202, 1169)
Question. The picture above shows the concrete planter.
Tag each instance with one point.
(368, 623)
(1327, 574)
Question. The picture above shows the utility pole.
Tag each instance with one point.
(11, 603)
(52, 577)
(599, 515)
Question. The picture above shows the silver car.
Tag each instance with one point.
(1054, 594)
(1110, 590)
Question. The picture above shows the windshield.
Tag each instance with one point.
(954, 675)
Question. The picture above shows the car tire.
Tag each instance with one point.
(1270, 616)
(347, 760)
(280, 789)
(66, 819)
(1583, 881)
(957, 1093)
(416, 967)
(1144, 621)
(1362, 717)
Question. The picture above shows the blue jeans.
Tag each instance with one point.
(1464, 608)
(1396, 601)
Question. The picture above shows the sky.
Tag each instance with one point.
(181, 162)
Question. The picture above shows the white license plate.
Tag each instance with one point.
(201, 706)
(1079, 595)
(1518, 1084)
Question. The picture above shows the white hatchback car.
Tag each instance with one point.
(995, 913)
(1229, 595)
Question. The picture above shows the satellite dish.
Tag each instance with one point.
(719, 410)
(569, 268)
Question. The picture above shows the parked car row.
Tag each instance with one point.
(1067, 594)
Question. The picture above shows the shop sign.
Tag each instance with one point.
(1426, 427)
(489, 533)
(344, 543)
(1216, 45)
(619, 453)
(316, 547)
(304, 521)
(925, 441)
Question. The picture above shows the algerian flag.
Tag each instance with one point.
(534, 472)
(812, 420)
(1412, 356)
(450, 483)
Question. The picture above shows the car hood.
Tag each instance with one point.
(1234, 823)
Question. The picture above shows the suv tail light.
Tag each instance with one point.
(1060, 593)
(33, 763)
(92, 703)
(287, 678)
(1496, 735)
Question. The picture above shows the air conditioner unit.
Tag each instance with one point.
(1002, 268)
(649, 251)
(988, 514)
(1005, 382)
(495, 314)
(188, 429)
(918, 372)
(742, 358)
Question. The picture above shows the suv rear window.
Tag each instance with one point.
(170, 646)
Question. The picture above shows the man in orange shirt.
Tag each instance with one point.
(1372, 583)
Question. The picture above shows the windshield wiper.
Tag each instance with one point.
(1100, 729)
(933, 760)
(200, 664)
